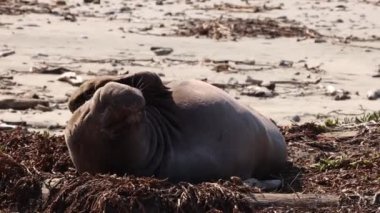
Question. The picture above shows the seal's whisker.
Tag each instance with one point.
(140, 83)
(141, 87)
(133, 80)
(155, 109)
(145, 86)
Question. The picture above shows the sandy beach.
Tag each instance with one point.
(314, 64)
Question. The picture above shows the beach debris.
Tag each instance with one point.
(253, 81)
(296, 118)
(339, 94)
(69, 17)
(373, 94)
(320, 40)
(5, 53)
(286, 63)
(25, 6)
(45, 125)
(92, 1)
(257, 91)
(43, 108)
(48, 185)
(6, 77)
(330, 90)
(30, 95)
(377, 75)
(341, 6)
(228, 7)
(221, 85)
(160, 51)
(222, 67)
(147, 28)
(272, 84)
(268, 84)
(71, 78)
(232, 66)
(104, 72)
(60, 2)
(4, 126)
(232, 28)
(245, 62)
(314, 69)
(21, 103)
(232, 81)
(48, 69)
(40, 55)
(342, 95)
(14, 122)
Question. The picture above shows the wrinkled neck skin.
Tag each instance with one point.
(125, 146)
(145, 150)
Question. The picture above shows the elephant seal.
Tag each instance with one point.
(184, 131)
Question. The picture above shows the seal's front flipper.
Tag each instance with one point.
(149, 83)
(265, 185)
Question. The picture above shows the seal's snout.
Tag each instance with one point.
(119, 97)
(118, 105)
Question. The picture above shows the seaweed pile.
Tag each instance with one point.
(233, 28)
(14, 7)
(36, 174)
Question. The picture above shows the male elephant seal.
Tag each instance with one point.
(184, 131)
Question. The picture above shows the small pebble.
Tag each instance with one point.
(285, 63)
(373, 94)
(160, 51)
(296, 118)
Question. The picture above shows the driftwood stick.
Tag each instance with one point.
(298, 82)
(6, 77)
(293, 200)
(21, 104)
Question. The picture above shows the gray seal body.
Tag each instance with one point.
(184, 131)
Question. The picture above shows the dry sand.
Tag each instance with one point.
(114, 37)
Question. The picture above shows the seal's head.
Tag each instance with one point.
(104, 133)
(107, 132)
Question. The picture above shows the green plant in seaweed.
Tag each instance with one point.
(46, 134)
(330, 122)
(367, 162)
(332, 163)
(345, 162)
(366, 117)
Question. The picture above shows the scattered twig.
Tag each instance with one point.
(299, 82)
(6, 53)
(21, 104)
